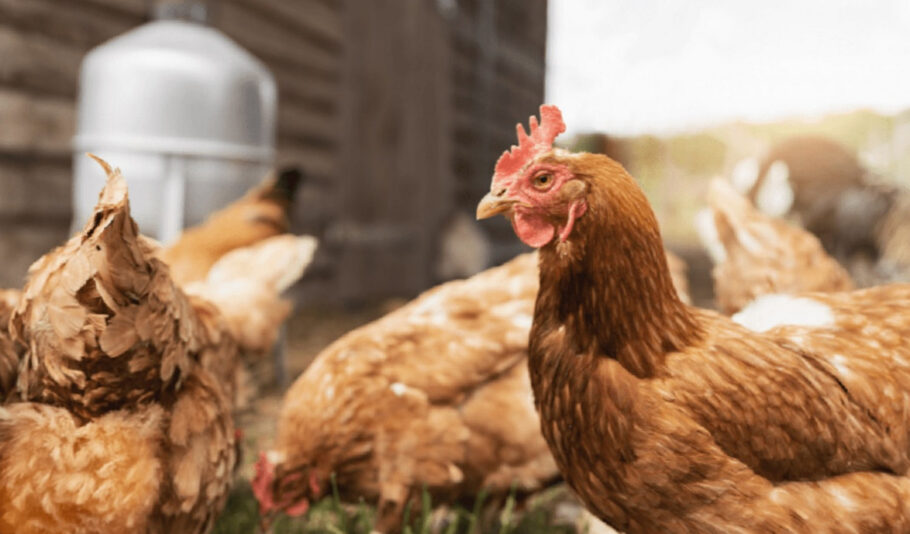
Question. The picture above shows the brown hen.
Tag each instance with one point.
(258, 215)
(416, 399)
(127, 389)
(435, 394)
(755, 254)
(667, 418)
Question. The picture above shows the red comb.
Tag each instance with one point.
(530, 146)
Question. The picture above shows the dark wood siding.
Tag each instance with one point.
(42, 43)
(397, 111)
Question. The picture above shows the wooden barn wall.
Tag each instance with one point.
(303, 43)
(499, 50)
(396, 172)
(397, 110)
(41, 45)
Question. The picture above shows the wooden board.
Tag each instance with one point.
(35, 188)
(85, 24)
(35, 123)
(38, 64)
(395, 154)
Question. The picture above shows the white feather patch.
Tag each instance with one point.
(770, 311)
(776, 196)
(274, 457)
(707, 232)
(744, 175)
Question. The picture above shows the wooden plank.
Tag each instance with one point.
(138, 9)
(315, 208)
(507, 51)
(512, 57)
(318, 21)
(273, 43)
(334, 5)
(319, 163)
(305, 90)
(35, 187)
(35, 123)
(307, 127)
(396, 147)
(23, 243)
(79, 23)
(38, 63)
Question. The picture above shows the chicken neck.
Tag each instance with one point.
(607, 290)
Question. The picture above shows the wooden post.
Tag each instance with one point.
(395, 179)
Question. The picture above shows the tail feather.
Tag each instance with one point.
(246, 285)
(283, 186)
(275, 263)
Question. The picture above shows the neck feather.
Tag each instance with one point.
(609, 285)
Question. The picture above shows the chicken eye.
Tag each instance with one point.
(542, 181)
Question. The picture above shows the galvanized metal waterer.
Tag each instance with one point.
(186, 113)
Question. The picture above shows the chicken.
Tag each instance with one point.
(261, 213)
(245, 285)
(755, 254)
(126, 386)
(805, 176)
(668, 418)
(435, 394)
(417, 398)
(860, 219)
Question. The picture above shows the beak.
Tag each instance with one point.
(491, 205)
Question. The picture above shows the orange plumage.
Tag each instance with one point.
(417, 398)
(434, 394)
(122, 415)
(258, 215)
(667, 418)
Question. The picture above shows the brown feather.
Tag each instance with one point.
(126, 424)
(665, 418)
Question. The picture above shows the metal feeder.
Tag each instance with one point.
(186, 113)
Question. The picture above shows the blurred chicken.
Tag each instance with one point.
(804, 176)
(245, 285)
(861, 220)
(755, 254)
(435, 394)
(126, 384)
(261, 213)
(245, 282)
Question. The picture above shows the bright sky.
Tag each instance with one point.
(636, 66)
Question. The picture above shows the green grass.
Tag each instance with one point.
(331, 516)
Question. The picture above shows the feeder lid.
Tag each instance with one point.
(177, 87)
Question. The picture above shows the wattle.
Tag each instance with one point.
(533, 230)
